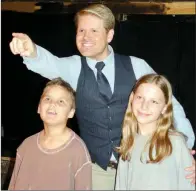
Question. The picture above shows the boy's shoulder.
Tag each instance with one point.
(28, 141)
(78, 145)
(77, 141)
(27, 145)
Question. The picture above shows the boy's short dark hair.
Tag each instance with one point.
(60, 82)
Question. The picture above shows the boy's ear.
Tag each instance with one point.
(38, 110)
(71, 113)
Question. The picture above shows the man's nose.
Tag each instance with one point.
(87, 35)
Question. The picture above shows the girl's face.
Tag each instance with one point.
(148, 104)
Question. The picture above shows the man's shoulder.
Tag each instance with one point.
(140, 67)
(137, 59)
(133, 58)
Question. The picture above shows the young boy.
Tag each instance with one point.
(55, 158)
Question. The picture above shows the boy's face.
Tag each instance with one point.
(148, 103)
(55, 106)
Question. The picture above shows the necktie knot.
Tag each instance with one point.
(100, 66)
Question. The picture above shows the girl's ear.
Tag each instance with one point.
(129, 106)
(131, 97)
(130, 102)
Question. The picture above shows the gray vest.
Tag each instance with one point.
(100, 121)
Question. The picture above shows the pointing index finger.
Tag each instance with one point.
(20, 35)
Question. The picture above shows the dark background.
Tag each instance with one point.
(167, 43)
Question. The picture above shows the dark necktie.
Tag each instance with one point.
(103, 84)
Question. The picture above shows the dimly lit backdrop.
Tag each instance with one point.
(165, 42)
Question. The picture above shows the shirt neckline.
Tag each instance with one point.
(58, 149)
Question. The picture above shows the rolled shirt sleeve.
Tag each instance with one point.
(50, 66)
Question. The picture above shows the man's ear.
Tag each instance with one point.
(110, 35)
(71, 113)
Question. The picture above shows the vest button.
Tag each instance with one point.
(108, 106)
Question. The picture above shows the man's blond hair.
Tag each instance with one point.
(100, 11)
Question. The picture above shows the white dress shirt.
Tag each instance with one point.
(68, 68)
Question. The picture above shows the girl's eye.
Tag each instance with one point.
(94, 30)
(139, 97)
(155, 102)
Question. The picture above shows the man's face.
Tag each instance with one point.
(55, 106)
(92, 38)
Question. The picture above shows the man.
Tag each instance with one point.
(103, 81)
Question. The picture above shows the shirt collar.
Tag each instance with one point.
(108, 60)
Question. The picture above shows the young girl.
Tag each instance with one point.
(153, 154)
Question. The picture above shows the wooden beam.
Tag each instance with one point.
(130, 7)
(178, 8)
(173, 8)
(28, 7)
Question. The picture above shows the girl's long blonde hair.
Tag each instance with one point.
(160, 139)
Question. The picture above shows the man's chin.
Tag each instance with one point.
(87, 54)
